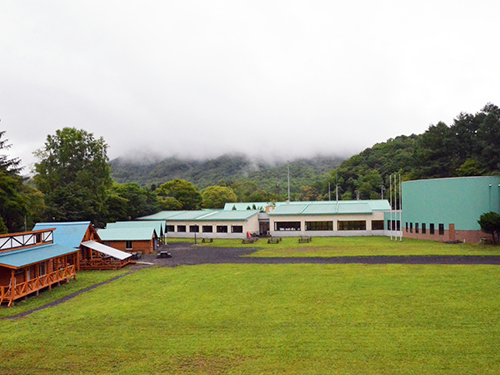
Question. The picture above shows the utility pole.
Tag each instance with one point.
(288, 181)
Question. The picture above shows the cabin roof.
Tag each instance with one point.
(118, 254)
(35, 254)
(66, 234)
(127, 234)
(158, 225)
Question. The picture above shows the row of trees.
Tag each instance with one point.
(72, 177)
(72, 183)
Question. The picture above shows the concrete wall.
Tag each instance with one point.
(250, 225)
(368, 218)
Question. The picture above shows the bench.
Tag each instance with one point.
(136, 256)
(164, 254)
(250, 240)
(274, 240)
(305, 239)
(207, 240)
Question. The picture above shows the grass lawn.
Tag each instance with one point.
(84, 280)
(268, 319)
(356, 246)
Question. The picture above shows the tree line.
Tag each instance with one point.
(72, 180)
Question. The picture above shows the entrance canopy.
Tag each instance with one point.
(121, 255)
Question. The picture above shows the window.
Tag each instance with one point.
(424, 229)
(416, 227)
(237, 229)
(181, 228)
(431, 229)
(128, 245)
(411, 227)
(441, 229)
(221, 228)
(43, 268)
(207, 228)
(352, 225)
(406, 227)
(287, 225)
(170, 228)
(194, 228)
(38, 237)
(378, 225)
(319, 225)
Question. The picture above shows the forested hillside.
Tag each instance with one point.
(470, 146)
(227, 170)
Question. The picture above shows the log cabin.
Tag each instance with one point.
(30, 262)
(93, 255)
(143, 240)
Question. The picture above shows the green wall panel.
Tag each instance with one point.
(458, 201)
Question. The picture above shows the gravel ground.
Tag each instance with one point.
(190, 254)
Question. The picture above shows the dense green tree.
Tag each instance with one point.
(20, 203)
(218, 196)
(181, 191)
(73, 174)
(490, 223)
(130, 201)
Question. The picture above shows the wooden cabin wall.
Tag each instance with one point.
(145, 247)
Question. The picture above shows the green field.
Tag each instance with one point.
(268, 319)
(354, 246)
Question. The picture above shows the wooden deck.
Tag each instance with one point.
(8, 294)
(104, 263)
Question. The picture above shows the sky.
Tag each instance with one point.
(272, 79)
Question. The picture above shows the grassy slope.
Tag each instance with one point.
(84, 280)
(254, 319)
(356, 246)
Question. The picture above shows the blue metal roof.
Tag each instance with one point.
(35, 254)
(66, 234)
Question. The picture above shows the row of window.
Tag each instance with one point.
(327, 225)
(204, 228)
(423, 228)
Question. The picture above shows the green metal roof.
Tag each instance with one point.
(158, 225)
(214, 215)
(229, 215)
(162, 215)
(126, 234)
(32, 255)
(328, 208)
(240, 206)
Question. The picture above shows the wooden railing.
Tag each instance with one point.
(103, 264)
(19, 290)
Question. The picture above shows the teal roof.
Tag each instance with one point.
(158, 225)
(330, 208)
(35, 254)
(214, 215)
(229, 215)
(162, 215)
(126, 234)
(240, 206)
(66, 234)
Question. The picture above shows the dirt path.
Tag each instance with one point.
(187, 254)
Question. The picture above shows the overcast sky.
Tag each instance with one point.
(288, 78)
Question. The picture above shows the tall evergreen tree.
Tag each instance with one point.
(73, 173)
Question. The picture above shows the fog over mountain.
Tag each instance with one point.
(275, 80)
